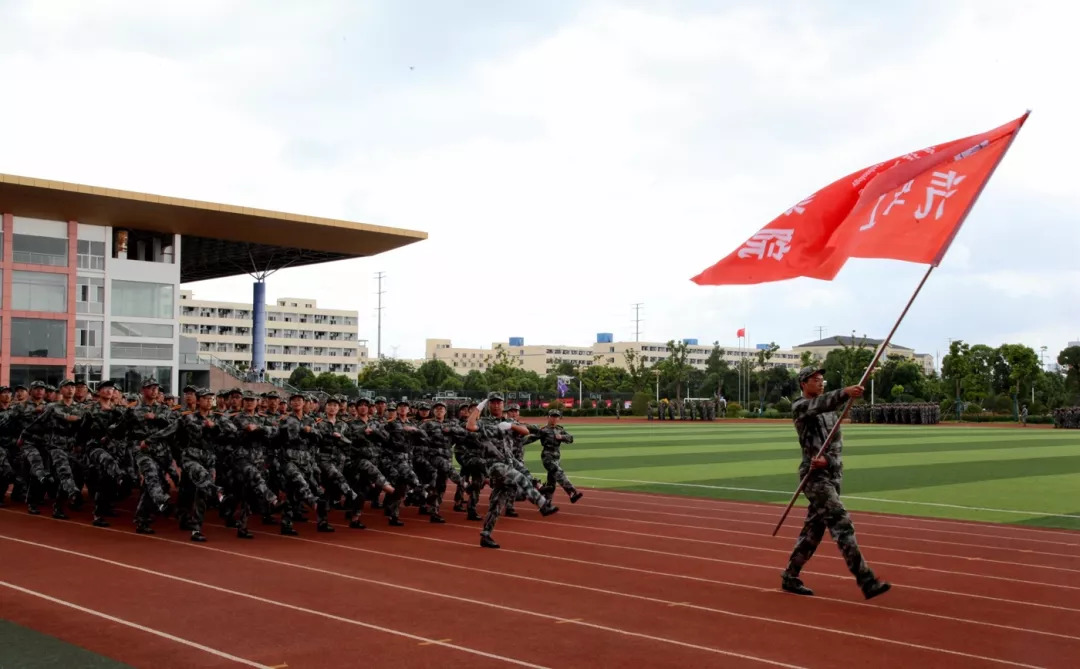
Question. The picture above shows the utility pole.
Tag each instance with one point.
(637, 321)
(820, 331)
(379, 276)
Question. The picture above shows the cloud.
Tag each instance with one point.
(569, 159)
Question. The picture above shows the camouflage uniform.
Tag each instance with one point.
(814, 418)
(507, 482)
(441, 435)
(151, 461)
(298, 469)
(331, 460)
(53, 432)
(106, 477)
(32, 460)
(398, 468)
(249, 458)
(551, 441)
(197, 436)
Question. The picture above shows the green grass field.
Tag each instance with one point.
(1023, 476)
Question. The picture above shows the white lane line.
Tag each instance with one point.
(141, 628)
(865, 499)
(263, 600)
(547, 557)
(429, 593)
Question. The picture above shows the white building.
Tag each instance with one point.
(298, 334)
(91, 284)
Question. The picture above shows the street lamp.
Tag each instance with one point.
(657, 372)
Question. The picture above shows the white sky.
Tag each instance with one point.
(569, 159)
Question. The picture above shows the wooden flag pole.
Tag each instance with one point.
(847, 407)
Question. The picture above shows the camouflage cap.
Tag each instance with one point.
(514, 407)
(438, 403)
(380, 398)
(272, 395)
(50, 388)
(191, 389)
(236, 391)
(293, 395)
(18, 386)
(404, 402)
(150, 383)
(5, 389)
(806, 372)
(37, 384)
(363, 400)
(249, 395)
(423, 406)
(67, 382)
(334, 399)
(105, 385)
(495, 397)
(204, 392)
(555, 412)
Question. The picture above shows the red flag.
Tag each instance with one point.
(741, 332)
(907, 208)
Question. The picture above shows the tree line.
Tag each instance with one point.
(974, 377)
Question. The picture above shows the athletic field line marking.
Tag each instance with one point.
(787, 551)
(1028, 551)
(865, 517)
(546, 557)
(864, 533)
(865, 499)
(761, 566)
(865, 521)
(141, 628)
(395, 586)
(656, 600)
(263, 600)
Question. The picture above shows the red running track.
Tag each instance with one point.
(619, 579)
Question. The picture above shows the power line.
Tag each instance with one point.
(378, 310)
(637, 320)
(820, 331)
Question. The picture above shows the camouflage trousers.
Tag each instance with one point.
(555, 476)
(199, 482)
(153, 493)
(364, 477)
(827, 511)
(248, 490)
(507, 483)
(60, 464)
(473, 473)
(7, 473)
(295, 480)
(334, 487)
(444, 471)
(399, 472)
(104, 480)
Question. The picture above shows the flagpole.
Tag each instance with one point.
(851, 400)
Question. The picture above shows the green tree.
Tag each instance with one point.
(1069, 359)
(674, 369)
(437, 375)
(299, 375)
(808, 359)
(764, 355)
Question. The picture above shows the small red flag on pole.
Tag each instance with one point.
(907, 208)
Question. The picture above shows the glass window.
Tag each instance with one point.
(141, 299)
(39, 291)
(27, 374)
(129, 378)
(36, 250)
(88, 374)
(89, 295)
(141, 351)
(38, 338)
(88, 339)
(91, 254)
(124, 329)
